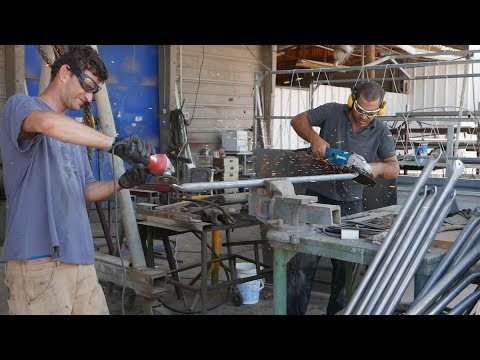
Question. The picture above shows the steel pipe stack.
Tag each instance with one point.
(405, 245)
(453, 274)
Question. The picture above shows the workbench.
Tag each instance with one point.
(201, 229)
(357, 251)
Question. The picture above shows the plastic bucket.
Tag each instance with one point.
(250, 290)
(420, 149)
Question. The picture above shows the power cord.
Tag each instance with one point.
(116, 231)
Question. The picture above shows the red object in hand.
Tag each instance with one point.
(157, 164)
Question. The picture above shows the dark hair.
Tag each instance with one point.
(370, 91)
(85, 57)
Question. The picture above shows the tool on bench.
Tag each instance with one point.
(350, 161)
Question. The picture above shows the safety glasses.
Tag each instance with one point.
(86, 82)
(361, 111)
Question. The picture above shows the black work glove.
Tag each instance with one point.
(132, 150)
(133, 177)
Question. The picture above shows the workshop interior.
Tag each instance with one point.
(216, 233)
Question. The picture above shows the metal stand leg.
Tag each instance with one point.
(204, 272)
(231, 258)
(172, 264)
(280, 261)
(216, 238)
(348, 281)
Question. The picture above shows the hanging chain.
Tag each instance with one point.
(44, 55)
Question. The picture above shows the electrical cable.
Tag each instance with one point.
(116, 231)
(198, 86)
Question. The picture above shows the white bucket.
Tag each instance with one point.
(249, 291)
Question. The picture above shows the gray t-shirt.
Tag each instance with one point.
(45, 183)
(336, 129)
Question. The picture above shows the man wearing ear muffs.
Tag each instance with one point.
(354, 128)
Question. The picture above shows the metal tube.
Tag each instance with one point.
(216, 239)
(394, 260)
(204, 186)
(105, 115)
(465, 303)
(442, 206)
(468, 309)
(462, 97)
(407, 272)
(469, 244)
(450, 255)
(255, 136)
(396, 78)
(445, 300)
(450, 277)
(376, 67)
(391, 252)
(433, 159)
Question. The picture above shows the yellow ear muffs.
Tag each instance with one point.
(382, 108)
(350, 101)
(352, 97)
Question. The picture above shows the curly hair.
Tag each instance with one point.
(370, 91)
(85, 57)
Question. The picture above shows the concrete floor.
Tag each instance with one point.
(187, 251)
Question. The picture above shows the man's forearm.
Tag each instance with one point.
(64, 128)
(302, 127)
(99, 190)
(385, 170)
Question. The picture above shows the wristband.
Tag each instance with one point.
(113, 144)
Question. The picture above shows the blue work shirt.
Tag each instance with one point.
(369, 142)
(45, 183)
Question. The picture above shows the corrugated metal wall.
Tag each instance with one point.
(444, 94)
(290, 101)
(216, 82)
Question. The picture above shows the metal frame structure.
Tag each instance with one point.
(453, 142)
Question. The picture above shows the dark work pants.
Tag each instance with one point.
(302, 267)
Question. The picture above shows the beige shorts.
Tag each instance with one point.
(47, 287)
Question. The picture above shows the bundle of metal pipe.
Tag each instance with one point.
(364, 285)
(453, 274)
(405, 245)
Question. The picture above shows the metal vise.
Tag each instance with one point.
(289, 214)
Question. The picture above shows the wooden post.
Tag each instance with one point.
(370, 58)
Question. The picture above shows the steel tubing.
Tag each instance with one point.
(396, 252)
(450, 255)
(204, 186)
(424, 238)
(405, 210)
(401, 282)
(404, 244)
(465, 303)
(373, 286)
(447, 298)
(469, 244)
(445, 282)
